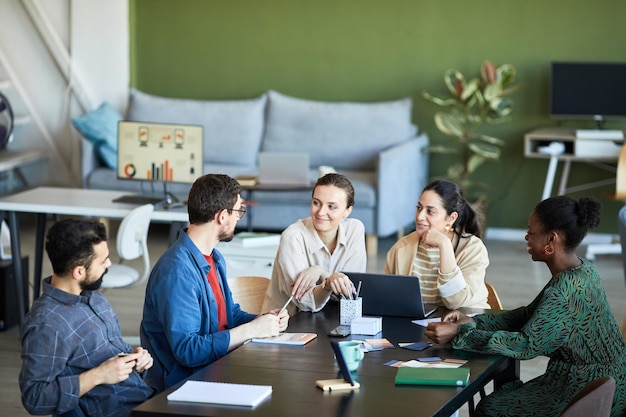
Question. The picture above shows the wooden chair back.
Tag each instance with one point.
(249, 292)
(595, 399)
(492, 298)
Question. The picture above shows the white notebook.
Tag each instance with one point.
(221, 393)
(298, 339)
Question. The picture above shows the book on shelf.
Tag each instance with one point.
(252, 239)
(247, 180)
(457, 377)
(298, 339)
(221, 393)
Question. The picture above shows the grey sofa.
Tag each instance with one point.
(374, 144)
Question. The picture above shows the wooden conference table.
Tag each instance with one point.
(293, 370)
(65, 201)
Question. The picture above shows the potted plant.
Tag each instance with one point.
(472, 104)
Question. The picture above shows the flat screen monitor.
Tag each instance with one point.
(588, 90)
(159, 152)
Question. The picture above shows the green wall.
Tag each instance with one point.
(371, 50)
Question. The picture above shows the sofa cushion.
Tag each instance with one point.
(99, 127)
(232, 128)
(345, 135)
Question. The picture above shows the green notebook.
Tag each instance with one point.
(458, 377)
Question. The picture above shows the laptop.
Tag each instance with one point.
(284, 168)
(391, 295)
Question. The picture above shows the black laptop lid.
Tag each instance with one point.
(390, 295)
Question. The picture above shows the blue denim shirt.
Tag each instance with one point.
(180, 325)
(64, 335)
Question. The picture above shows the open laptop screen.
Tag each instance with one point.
(390, 295)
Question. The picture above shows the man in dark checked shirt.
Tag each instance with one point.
(72, 349)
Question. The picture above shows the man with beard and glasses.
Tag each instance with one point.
(73, 355)
(189, 316)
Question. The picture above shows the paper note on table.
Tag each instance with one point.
(221, 393)
(379, 343)
(424, 322)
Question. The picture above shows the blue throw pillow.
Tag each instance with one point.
(99, 126)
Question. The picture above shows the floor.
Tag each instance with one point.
(516, 278)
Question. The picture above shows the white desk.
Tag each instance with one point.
(257, 261)
(599, 153)
(66, 201)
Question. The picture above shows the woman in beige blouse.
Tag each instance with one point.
(313, 251)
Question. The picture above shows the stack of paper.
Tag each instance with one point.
(253, 239)
(221, 393)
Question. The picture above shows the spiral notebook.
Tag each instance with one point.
(221, 393)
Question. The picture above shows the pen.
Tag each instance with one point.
(286, 304)
(358, 290)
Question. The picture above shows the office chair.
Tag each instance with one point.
(132, 237)
(249, 292)
(594, 399)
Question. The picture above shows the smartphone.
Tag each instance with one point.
(340, 331)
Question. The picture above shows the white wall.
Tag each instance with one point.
(100, 48)
(96, 34)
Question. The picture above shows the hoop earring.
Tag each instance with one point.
(548, 250)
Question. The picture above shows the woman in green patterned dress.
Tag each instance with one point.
(570, 321)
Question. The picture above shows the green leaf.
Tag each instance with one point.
(485, 150)
(439, 101)
(449, 125)
(506, 74)
(452, 78)
(474, 119)
(474, 162)
(490, 139)
(455, 172)
(442, 149)
(480, 99)
(492, 91)
(470, 89)
(502, 106)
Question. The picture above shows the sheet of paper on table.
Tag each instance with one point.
(424, 322)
